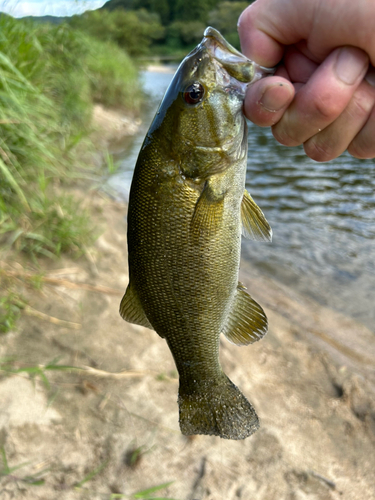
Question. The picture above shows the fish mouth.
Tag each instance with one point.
(236, 64)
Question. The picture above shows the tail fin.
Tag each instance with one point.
(219, 410)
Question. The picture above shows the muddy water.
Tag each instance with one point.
(322, 215)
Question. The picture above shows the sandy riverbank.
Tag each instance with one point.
(311, 380)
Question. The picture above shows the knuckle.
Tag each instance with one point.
(361, 148)
(363, 144)
(326, 107)
(285, 135)
(361, 104)
(285, 139)
(319, 150)
(247, 18)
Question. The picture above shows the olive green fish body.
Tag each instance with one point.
(187, 209)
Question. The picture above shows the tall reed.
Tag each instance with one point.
(49, 78)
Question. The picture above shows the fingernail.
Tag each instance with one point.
(370, 76)
(350, 64)
(276, 97)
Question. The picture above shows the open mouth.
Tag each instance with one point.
(235, 63)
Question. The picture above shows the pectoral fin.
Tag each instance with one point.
(208, 213)
(247, 321)
(131, 309)
(254, 224)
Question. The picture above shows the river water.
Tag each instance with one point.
(322, 215)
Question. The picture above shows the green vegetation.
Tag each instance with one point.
(37, 479)
(7, 367)
(225, 17)
(50, 76)
(149, 27)
(148, 494)
(135, 454)
(113, 76)
(181, 23)
(12, 302)
(7, 471)
(133, 31)
(9, 311)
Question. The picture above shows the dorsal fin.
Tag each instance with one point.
(247, 321)
(254, 223)
(131, 309)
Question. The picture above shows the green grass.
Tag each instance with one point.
(8, 368)
(9, 312)
(11, 299)
(50, 77)
(38, 479)
(58, 225)
(7, 471)
(149, 492)
(113, 76)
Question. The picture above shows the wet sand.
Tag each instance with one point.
(311, 380)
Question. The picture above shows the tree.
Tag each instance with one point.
(131, 30)
(225, 17)
(193, 10)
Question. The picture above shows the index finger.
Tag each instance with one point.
(267, 26)
(255, 43)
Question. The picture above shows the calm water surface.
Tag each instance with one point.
(322, 216)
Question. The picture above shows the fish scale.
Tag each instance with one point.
(187, 209)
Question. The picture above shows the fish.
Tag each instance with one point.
(188, 207)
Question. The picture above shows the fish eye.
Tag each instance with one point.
(194, 93)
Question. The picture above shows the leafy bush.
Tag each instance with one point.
(180, 33)
(225, 17)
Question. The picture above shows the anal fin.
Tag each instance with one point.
(254, 223)
(131, 309)
(247, 321)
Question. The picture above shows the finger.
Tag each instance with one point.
(266, 26)
(363, 145)
(300, 68)
(335, 139)
(282, 71)
(324, 97)
(303, 47)
(256, 44)
(267, 100)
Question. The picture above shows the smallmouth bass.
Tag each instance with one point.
(187, 209)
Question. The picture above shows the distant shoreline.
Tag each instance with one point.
(161, 68)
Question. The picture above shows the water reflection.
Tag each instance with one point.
(322, 215)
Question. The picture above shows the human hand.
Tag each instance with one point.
(323, 92)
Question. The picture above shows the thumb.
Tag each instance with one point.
(267, 100)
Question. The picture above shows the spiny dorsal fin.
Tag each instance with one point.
(131, 309)
(247, 321)
(208, 213)
(254, 223)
